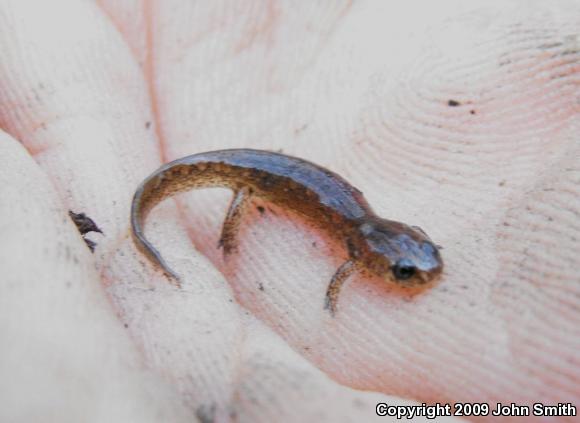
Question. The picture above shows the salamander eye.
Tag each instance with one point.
(404, 269)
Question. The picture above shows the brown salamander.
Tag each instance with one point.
(394, 251)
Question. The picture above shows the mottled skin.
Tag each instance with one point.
(392, 250)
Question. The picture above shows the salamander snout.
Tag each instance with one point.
(401, 253)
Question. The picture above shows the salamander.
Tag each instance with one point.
(392, 250)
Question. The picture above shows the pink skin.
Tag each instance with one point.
(100, 96)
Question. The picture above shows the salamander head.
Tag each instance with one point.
(400, 253)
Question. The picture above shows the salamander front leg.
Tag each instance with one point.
(231, 223)
(333, 291)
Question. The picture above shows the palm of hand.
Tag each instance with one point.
(472, 139)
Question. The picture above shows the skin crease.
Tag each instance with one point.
(461, 119)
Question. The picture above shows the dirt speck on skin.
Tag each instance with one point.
(206, 413)
(90, 244)
(300, 129)
(85, 225)
(261, 286)
(453, 103)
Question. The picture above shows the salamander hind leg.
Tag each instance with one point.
(228, 238)
(339, 278)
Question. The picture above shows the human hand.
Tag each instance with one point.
(462, 123)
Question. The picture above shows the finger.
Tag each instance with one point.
(64, 74)
(63, 353)
(86, 127)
